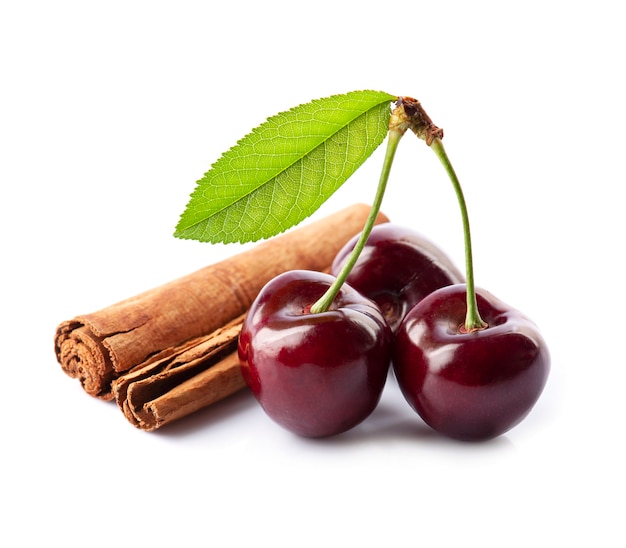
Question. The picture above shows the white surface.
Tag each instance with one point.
(108, 115)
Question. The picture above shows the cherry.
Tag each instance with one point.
(313, 350)
(470, 375)
(473, 385)
(315, 374)
(397, 268)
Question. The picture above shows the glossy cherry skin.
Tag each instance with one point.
(397, 268)
(469, 386)
(316, 375)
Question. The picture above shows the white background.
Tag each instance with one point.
(109, 113)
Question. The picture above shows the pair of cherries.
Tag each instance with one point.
(404, 305)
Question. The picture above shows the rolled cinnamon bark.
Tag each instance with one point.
(199, 373)
(100, 347)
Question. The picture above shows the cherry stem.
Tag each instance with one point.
(421, 124)
(473, 321)
(394, 136)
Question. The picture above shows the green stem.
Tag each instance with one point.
(326, 300)
(473, 321)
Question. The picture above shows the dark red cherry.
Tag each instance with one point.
(397, 268)
(317, 374)
(469, 386)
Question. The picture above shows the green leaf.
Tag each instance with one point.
(286, 168)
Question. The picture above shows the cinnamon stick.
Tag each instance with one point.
(100, 347)
(199, 373)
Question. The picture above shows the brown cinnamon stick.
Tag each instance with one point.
(99, 348)
(199, 373)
